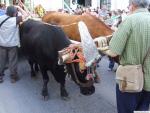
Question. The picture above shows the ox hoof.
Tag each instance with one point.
(97, 79)
(33, 75)
(65, 98)
(64, 93)
(45, 94)
(45, 98)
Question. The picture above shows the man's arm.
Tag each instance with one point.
(24, 14)
(118, 41)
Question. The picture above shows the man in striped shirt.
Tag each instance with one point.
(131, 42)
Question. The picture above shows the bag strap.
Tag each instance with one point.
(4, 21)
(147, 54)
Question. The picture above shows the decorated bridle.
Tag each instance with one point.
(74, 54)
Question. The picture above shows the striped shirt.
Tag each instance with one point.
(132, 40)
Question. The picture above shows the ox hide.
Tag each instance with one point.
(69, 24)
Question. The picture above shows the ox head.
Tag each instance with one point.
(73, 59)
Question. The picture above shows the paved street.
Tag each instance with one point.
(24, 96)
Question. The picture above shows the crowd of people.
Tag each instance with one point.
(111, 18)
(131, 41)
(2, 9)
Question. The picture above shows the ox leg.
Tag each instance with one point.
(31, 63)
(36, 67)
(45, 82)
(60, 76)
(63, 92)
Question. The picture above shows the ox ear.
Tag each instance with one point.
(63, 57)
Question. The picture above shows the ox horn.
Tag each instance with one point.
(96, 40)
(65, 57)
(74, 42)
(62, 57)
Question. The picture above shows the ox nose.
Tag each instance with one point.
(87, 90)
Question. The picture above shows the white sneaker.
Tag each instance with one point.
(109, 69)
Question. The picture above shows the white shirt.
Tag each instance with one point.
(9, 32)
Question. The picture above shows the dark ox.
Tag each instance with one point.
(40, 43)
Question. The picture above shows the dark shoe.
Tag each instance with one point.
(1, 79)
(96, 79)
(14, 78)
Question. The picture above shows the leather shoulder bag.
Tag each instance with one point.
(131, 77)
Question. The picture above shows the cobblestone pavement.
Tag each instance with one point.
(24, 96)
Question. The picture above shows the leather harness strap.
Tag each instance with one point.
(4, 21)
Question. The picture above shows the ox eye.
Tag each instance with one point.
(76, 57)
(96, 42)
(73, 51)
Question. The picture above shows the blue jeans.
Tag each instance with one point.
(130, 102)
(111, 63)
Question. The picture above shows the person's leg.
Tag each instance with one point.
(144, 102)
(97, 77)
(111, 64)
(127, 102)
(3, 57)
(13, 60)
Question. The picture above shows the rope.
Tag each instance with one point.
(60, 25)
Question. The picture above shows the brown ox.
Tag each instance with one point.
(69, 24)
